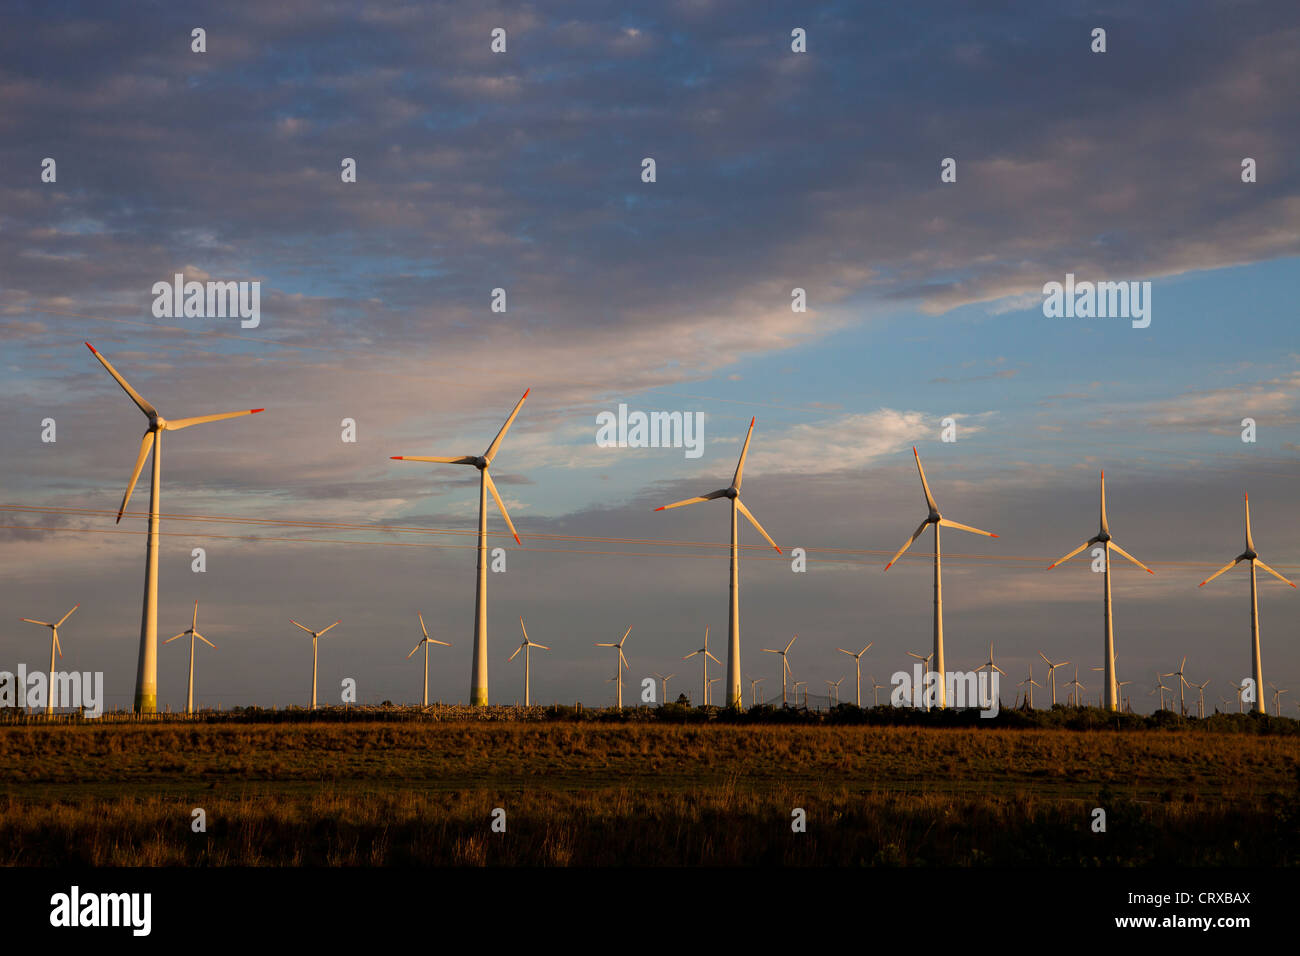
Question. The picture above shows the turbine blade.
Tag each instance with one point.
(948, 523)
(41, 623)
(1227, 567)
(929, 498)
(69, 614)
(690, 655)
(843, 651)
(496, 442)
(146, 445)
(606, 645)
(712, 658)
(625, 634)
(1250, 544)
(303, 626)
(1060, 561)
(443, 643)
(1131, 558)
(740, 505)
(205, 641)
(187, 422)
(791, 644)
(462, 460)
(1272, 572)
(908, 543)
(1104, 526)
(740, 465)
(335, 624)
(542, 646)
(522, 628)
(126, 387)
(180, 635)
(624, 660)
(416, 648)
(57, 646)
(501, 505)
(690, 501)
(515, 654)
(422, 627)
(195, 622)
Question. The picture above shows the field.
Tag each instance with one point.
(322, 791)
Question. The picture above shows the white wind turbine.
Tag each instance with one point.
(833, 691)
(1160, 686)
(804, 685)
(1128, 704)
(315, 636)
(707, 657)
(479, 668)
(875, 691)
(664, 684)
(1075, 686)
(734, 696)
(1200, 706)
(54, 646)
(1029, 684)
(192, 633)
(753, 689)
(1051, 673)
(785, 667)
(1251, 556)
(857, 665)
(925, 670)
(526, 646)
(146, 681)
(425, 641)
(1182, 684)
(622, 662)
(1240, 689)
(1103, 538)
(1277, 698)
(938, 520)
(708, 697)
(991, 668)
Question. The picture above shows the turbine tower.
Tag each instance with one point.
(1257, 666)
(732, 491)
(315, 636)
(478, 681)
(857, 664)
(192, 633)
(146, 678)
(526, 646)
(54, 646)
(785, 667)
(425, 641)
(622, 662)
(938, 520)
(707, 657)
(1103, 538)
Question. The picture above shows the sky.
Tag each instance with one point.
(523, 171)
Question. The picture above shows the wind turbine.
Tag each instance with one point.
(1051, 673)
(664, 684)
(1128, 704)
(708, 690)
(991, 668)
(1160, 686)
(1182, 683)
(622, 662)
(804, 685)
(1200, 707)
(1031, 684)
(425, 642)
(1240, 689)
(925, 669)
(1103, 538)
(146, 680)
(315, 636)
(1277, 699)
(1253, 557)
(192, 633)
(785, 667)
(478, 688)
(1074, 693)
(938, 520)
(732, 491)
(54, 646)
(526, 645)
(875, 691)
(753, 689)
(833, 690)
(857, 665)
(707, 657)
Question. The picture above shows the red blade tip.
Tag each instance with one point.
(91, 347)
(254, 411)
(661, 508)
(396, 457)
(517, 541)
(992, 535)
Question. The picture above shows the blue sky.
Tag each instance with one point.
(775, 170)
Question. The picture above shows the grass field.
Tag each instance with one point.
(328, 792)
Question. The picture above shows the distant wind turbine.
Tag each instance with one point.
(192, 633)
(833, 690)
(804, 685)
(1252, 556)
(753, 689)
(1103, 538)
(1029, 684)
(875, 691)
(622, 662)
(425, 641)
(707, 657)
(785, 666)
(146, 679)
(1160, 686)
(857, 668)
(991, 667)
(1182, 683)
(1075, 688)
(938, 520)
(925, 669)
(1277, 699)
(55, 646)
(708, 691)
(732, 491)
(479, 669)
(1200, 706)
(526, 646)
(315, 636)
(664, 684)
(1051, 673)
